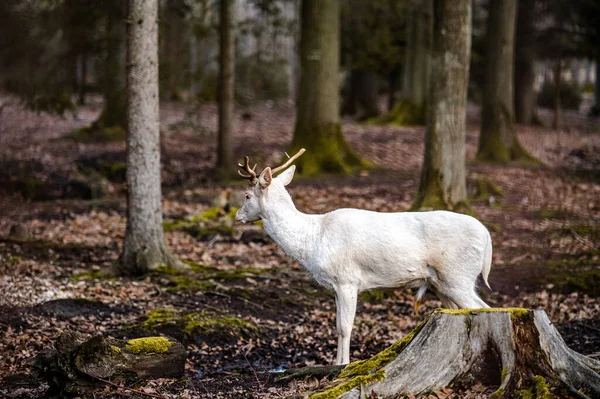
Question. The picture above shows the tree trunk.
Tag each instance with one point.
(525, 62)
(516, 350)
(362, 95)
(226, 86)
(318, 112)
(81, 363)
(557, 82)
(443, 181)
(144, 248)
(114, 111)
(498, 141)
(367, 94)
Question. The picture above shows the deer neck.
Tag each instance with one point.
(295, 232)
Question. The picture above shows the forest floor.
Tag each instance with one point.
(262, 312)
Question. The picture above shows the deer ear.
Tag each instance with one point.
(287, 175)
(265, 178)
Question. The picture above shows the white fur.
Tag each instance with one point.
(352, 250)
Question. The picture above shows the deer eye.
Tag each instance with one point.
(248, 196)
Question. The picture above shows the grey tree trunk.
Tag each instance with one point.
(516, 350)
(498, 141)
(318, 109)
(443, 177)
(226, 86)
(144, 248)
(525, 62)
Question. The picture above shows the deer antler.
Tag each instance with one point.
(289, 161)
(251, 173)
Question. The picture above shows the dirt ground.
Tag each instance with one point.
(266, 313)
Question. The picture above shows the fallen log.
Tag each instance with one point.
(517, 350)
(80, 363)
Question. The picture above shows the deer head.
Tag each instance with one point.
(265, 190)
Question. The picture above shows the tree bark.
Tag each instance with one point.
(443, 177)
(226, 86)
(144, 248)
(318, 111)
(525, 62)
(80, 363)
(517, 350)
(498, 141)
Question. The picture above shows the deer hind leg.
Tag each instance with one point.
(462, 297)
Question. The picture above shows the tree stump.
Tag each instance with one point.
(79, 363)
(517, 350)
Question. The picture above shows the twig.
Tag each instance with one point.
(129, 389)
(260, 385)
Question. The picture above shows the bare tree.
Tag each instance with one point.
(525, 62)
(318, 117)
(443, 183)
(498, 141)
(144, 248)
(226, 85)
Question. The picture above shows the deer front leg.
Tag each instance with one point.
(345, 300)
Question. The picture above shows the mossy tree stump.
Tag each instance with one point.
(517, 350)
(79, 363)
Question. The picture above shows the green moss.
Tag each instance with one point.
(349, 384)
(553, 213)
(101, 134)
(149, 345)
(203, 323)
(93, 274)
(491, 226)
(204, 225)
(160, 317)
(184, 283)
(486, 188)
(503, 374)
(115, 349)
(525, 394)
(166, 270)
(327, 151)
(497, 394)
(403, 113)
(541, 388)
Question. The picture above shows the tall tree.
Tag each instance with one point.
(443, 181)
(418, 55)
(498, 141)
(525, 62)
(114, 110)
(318, 111)
(411, 108)
(144, 248)
(226, 84)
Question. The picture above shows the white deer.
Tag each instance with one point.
(352, 250)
